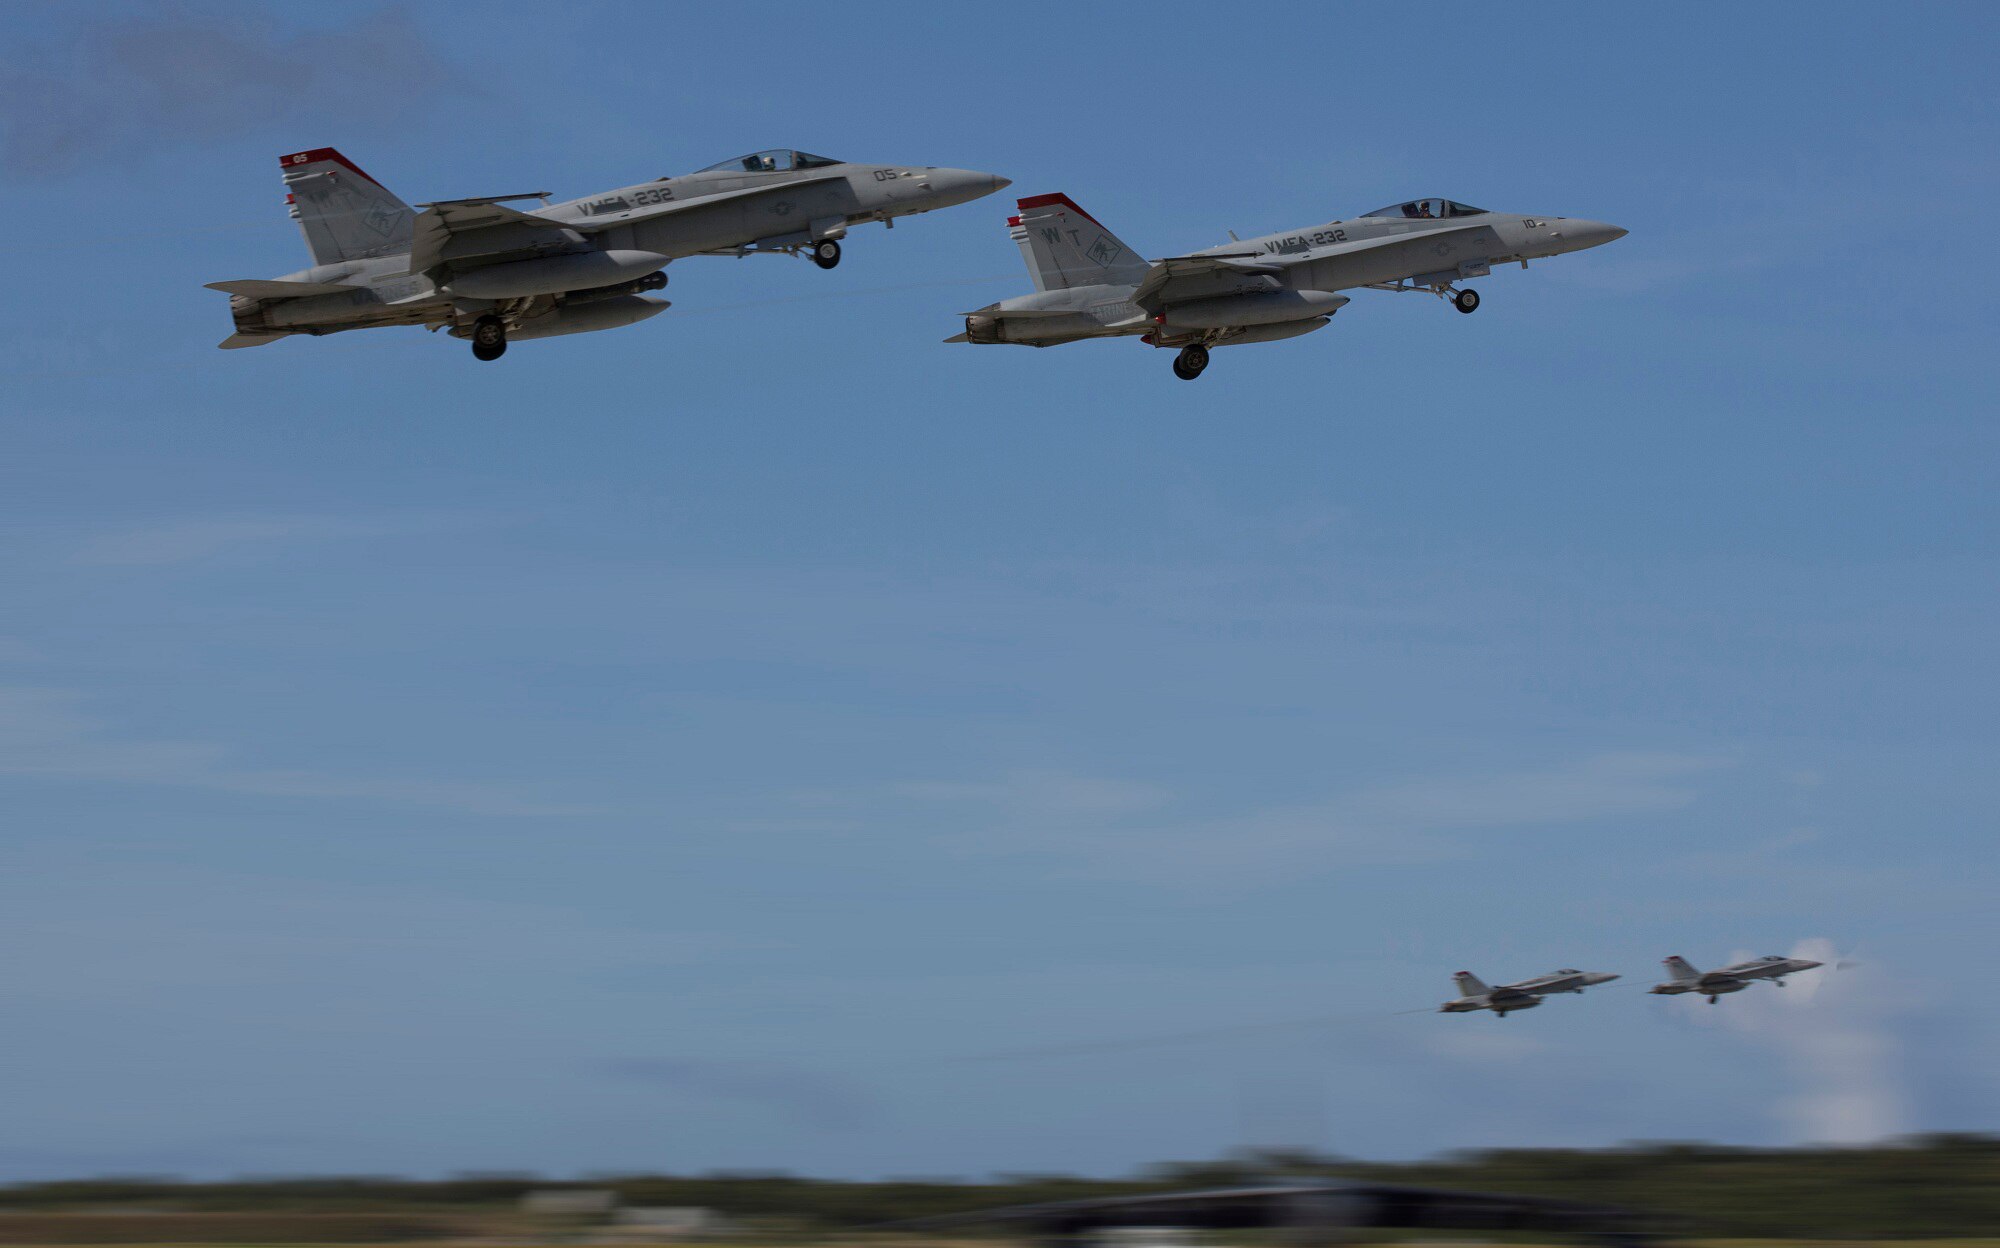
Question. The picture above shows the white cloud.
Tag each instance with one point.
(1833, 1030)
(121, 936)
(42, 733)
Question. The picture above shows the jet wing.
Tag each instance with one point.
(1179, 278)
(1429, 238)
(448, 219)
(442, 222)
(1205, 276)
(1538, 985)
(471, 214)
(1023, 314)
(253, 288)
(652, 212)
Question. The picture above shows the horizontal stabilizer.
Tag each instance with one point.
(237, 341)
(256, 289)
(958, 338)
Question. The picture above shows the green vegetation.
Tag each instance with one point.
(1929, 1188)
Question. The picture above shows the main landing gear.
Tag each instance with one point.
(1189, 363)
(826, 253)
(489, 338)
(1466, 300)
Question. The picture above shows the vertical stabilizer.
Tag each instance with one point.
(1066, 246)
(1470, 985)
(1681, 971)
(343, 213)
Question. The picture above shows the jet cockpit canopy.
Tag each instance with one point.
(1427, 209)
(776, 160)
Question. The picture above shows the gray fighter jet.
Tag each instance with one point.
(1474, 994)
(1683, 977)
(1089, 284)
(488, 272)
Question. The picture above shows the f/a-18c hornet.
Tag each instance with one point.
(1683, 977)
(1474, 994)
(1088, 284)
(483, 271)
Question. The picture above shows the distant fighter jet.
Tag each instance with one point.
(1089, 284)
(1683, 977)
(489, 273)
(1525, 995)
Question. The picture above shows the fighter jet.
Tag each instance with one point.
(487, 272)
(1683, 977)
(1089, 284)
(1474, 994)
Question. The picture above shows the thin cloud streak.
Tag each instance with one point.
(43, 734)
(1117, 830)
(807, 1098)
(186, 541)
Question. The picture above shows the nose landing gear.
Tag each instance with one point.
(489, 338)
(1189, 364)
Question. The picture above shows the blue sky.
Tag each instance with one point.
(707, 744)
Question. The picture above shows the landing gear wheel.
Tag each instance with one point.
(1466, 301)
(1189, 363)
(826, 253)
(489, 338)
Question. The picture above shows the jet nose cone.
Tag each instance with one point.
(1591, 233)
(1806, 964)
(958, 186)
